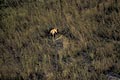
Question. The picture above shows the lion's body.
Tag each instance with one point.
(53, 32)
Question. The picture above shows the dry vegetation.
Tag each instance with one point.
(88, 47)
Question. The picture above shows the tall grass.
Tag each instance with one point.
(88, 48)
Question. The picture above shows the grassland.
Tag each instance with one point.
(87, 48)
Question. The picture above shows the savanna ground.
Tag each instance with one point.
(87, 45)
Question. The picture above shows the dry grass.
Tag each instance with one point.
(86, 48)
